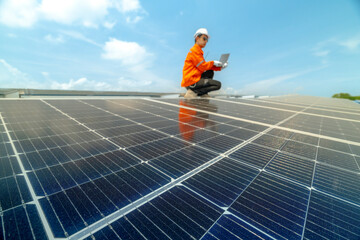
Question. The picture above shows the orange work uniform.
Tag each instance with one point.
(195, 65)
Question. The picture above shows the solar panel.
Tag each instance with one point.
(276, 168)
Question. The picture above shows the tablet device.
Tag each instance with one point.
(224, 58)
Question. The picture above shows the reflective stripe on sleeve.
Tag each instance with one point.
(199, 63)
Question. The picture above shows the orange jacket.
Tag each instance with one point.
(195, 65)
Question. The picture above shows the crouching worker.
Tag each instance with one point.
(198, 74)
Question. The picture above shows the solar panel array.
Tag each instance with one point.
(276, 168)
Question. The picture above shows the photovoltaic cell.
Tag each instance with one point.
(270, 141)
(338, 159)
(340, 183)
(181, 162)
(223, 181)
(294, 168)
(17, 225)
(254, 155)
(300, 149)
(273, 205)
(230, 227)
(147, 169)
(8, 167)
(355, 149)
(342, 147)
(221, 143)
(14, 192)
(330, 218)
(176, 214)
(157, 148)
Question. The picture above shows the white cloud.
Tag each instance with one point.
(133, 20)
(125, 6)
(89, 13)
(323, 53)
(11, 77)
(351, 44)
(58, 39)
(109, 25)
(18, 13)
(11, 35)
(81, 84)
(128, 53)
(86, 12)
(79, 36)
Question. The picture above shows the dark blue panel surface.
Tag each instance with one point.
(281, 133)
(155, 149)
(291, 167)
(221, 143)
(223, 181)
(176, 214)
(329, 218)
(119, 131)
(1, 228)
(243, 134)
(97, 199)
(254, 155)
(106, 233)
(62, 176)
(14, 192)
(16, 225)
(342, 147)
(35, 221)
(273, 205)
(338, 182)
(138, 138)
(181, 162)
(229, 227)
(355, 149)
(47, 181)
(270, 141)
(197, 136)
(338, 159)
(9, 166)
(61, 209)
(81, 199)
(6, 149)
(301, 149)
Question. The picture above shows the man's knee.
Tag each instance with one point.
(218, 85)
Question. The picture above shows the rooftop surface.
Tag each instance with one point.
(275, 168)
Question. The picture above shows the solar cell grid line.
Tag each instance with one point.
(270, 104)
(230, 227)
(145, 153)
(338, 159)
(303, 111)
(338, 104)
(274, 205)
(331, 218)
(30, 188)
(288, 125)
(314, 107)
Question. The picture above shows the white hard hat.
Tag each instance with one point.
(201, 31)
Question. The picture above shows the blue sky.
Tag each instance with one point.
(277, 46)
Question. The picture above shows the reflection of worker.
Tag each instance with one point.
(190, 120)
(198, 74)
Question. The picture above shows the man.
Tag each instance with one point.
(198, 74)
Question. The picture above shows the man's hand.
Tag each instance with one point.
(217, 64)
(224, 66)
